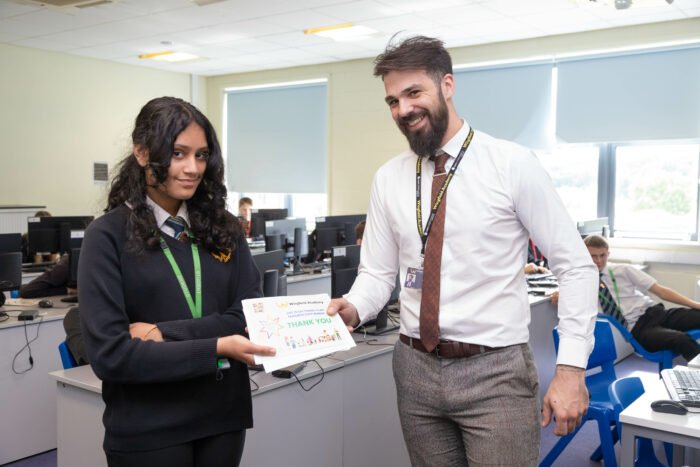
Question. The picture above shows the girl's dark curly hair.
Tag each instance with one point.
(157, 126)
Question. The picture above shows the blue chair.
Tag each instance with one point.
(600, 407)
(623, 392)
(66, 357)
(663, 357)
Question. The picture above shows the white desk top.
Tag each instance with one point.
(639, 413)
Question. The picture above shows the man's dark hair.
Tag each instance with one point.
(415, 53)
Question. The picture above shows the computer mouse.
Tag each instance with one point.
(669, 406)
(45, 303)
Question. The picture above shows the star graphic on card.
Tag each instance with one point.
(271, 327)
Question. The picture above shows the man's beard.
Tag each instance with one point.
(426, 142)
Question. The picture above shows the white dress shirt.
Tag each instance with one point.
(498, 197)
(631, 285)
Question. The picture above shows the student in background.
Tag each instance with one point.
(162, 276)
(74, 336)
(359, 232)
(245, 212)
(55, 281)
(622, 294)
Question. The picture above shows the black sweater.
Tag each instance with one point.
(159, 394)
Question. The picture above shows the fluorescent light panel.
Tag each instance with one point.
(343, 32)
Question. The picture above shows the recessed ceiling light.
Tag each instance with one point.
(343, 32)
(170, 56)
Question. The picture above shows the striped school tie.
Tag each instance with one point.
(179, 225)
(607, 303)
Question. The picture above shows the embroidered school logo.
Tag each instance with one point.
(222, 256)
(258, 307)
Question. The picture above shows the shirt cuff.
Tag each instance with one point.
(363, 306)
(573, 352)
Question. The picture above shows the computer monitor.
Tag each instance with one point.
(272, 261)
(10, 242)
(10, 273)
(258, 217)
(290, 234)
(55, 234)
(334, 231)
(345, 261)
(597, 226)
(73, 259)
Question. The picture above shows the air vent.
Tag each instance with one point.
(100, 171)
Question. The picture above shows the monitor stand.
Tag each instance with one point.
(296, 270)
(381, 325)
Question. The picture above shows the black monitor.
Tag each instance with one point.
(334, 231)
(271, 261)
(345, 261)
(10, 273)
(290, 235)
(55, 234)
(258, 217)
(10, 242)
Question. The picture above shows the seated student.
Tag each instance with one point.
(621, 295)
(245, 211)
(55, 281)
(535, 256)
(74, 336)
(359, 232)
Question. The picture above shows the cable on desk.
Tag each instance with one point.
(257, 386)
(4, 315)
(27, 346)
(323, 373)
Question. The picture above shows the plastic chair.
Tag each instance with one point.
(66, 357)
(663, 357)
(600, 407)
(623, 392)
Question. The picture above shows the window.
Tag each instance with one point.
(649, 190)
(574, 171)
(656, 191)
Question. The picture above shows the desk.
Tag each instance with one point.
(28, 404)
(349, 419)
(639, 420)
(309, 284)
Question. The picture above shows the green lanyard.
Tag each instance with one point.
(196, 310)
(617, 295)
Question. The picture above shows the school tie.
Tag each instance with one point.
(178, 224)
(430, 299)
(607, 303)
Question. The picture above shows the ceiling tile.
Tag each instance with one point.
(399, 23)
(8, 9)
(460, 15)
(305, 19)
(253, 28)
(412, 6)
(43, 44)
(297, 39)
(359, 11)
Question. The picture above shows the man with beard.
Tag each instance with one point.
(467, 386)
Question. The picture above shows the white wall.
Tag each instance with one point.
(62, 112)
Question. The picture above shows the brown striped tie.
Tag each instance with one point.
(430, 300)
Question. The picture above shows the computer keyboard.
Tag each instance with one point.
(683, 385)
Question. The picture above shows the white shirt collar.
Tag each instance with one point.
(161, 214)
(455, 144)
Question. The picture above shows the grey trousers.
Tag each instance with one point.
(477, 411)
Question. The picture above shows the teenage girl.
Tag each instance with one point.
(162, 275)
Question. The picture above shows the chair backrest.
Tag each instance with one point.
(624, 391)
(66, 357)
(604, 353)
